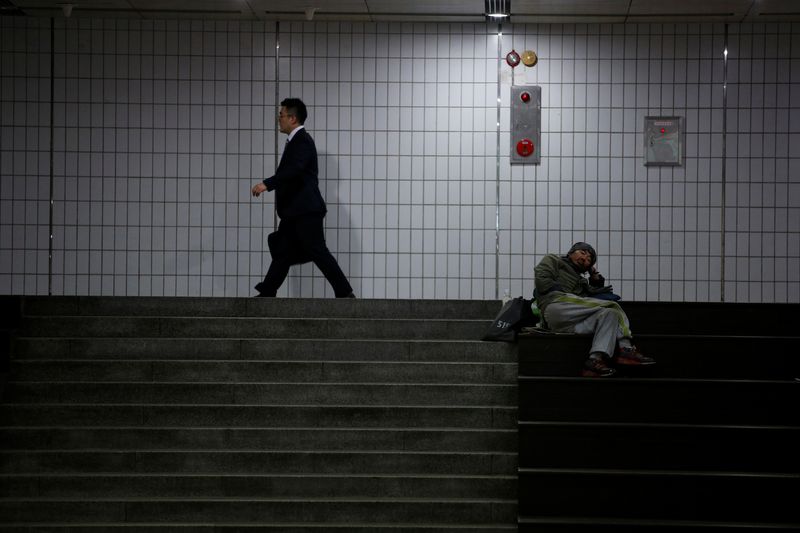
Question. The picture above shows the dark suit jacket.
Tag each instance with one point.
(296, 180)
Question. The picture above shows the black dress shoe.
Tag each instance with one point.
(351, 295)
(260, 288)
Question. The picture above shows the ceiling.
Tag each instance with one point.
(522, 11)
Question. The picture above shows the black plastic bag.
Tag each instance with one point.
(508, 321)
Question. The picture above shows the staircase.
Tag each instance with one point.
(232, 415)
(707, 440)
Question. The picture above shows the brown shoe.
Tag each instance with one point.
(597, 368)
(632, 357)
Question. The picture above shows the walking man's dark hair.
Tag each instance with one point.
(296, 108)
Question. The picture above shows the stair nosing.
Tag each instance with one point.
(260, 428)
(528, 519)
(665, 425)
(302, 405)
(171, 475)
(626, 379)
(640, 472)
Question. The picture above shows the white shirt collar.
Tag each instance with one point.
(291, 135)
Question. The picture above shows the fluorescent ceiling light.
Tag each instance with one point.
(498, 9)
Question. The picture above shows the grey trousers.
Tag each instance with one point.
(604, 319)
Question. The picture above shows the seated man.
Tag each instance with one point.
(572, 304)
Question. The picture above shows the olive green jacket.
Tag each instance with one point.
(555, 275)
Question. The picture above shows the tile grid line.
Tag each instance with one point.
(743, 290)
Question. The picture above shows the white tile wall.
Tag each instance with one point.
(160, 128)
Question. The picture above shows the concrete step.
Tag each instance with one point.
(678, 356)
(255, 416)
(253, 328)
(705, 440)
(256, 462)
(264, 349)
(529, 524)
(646, 317)
(87, 486)
(659, 446)
(656, 400)
(707, 496)
(263, 371)
(209, 393)
(254, 439)
(219, 527)
(184, 414)
(712, 318)
(257, 307)
(257, 511)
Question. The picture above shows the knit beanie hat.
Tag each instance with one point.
(584, 246)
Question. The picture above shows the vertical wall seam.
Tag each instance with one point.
(497, 166)
(52, 137)
(277, 100)
(724, 163)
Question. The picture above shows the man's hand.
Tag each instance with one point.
(258, 188)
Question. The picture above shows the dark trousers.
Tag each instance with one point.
(299, 240)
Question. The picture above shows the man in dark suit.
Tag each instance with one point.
(300, 206)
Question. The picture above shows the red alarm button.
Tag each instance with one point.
(525, 147)
(525, 97)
